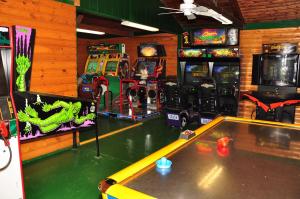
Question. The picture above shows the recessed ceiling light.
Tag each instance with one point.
(90, 31)
(139, 26)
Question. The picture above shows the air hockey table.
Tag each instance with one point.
(227, 158)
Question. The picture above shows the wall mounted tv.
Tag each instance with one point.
(276, 70)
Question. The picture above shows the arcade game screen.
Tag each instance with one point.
(146, 65)
(279, 70)
(92, 66)
(111, 66)
(226, 74)
(194, 72)
(148, 51)
(209, 37)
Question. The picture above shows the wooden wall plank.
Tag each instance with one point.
(55, 44)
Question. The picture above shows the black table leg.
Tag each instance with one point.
(74, 139)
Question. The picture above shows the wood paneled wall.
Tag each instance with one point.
(251, 43)
(131, 43)
(54, 60)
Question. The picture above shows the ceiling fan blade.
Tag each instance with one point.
(222, 19)
(166, 13)
(200, 9)
(167, 8)
(191, 17)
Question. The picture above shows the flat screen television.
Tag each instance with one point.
(149, 66)
(276, 70)
(226, 73)
(111, 66)
(280, 70)
(194, 72)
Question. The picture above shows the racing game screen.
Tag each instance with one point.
(194, 72)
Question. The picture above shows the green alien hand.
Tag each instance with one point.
(31, 112)
(90, 116)
(23, 64)
(47, 107)
(23, 117)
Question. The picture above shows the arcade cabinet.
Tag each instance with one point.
(105, 61)
(187, 94)
(209, 69)
(11, 182)
(150, 73)
(141, 94)
(276, 72)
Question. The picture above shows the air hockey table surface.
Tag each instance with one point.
(259, 159)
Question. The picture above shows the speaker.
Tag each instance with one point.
(256, 69)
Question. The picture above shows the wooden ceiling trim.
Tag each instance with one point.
(255, 11)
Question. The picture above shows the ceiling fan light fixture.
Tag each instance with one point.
(187, 12)
(94, 32)
(139, 26)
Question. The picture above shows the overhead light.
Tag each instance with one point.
(90, 31)
(139, 26)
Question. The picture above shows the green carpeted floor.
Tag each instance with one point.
(75, 174)
(105, 125)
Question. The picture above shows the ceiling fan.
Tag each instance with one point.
(190, 10)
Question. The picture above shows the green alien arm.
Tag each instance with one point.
(80, 120)
(23, 64)
(55, 105)
(46, 125)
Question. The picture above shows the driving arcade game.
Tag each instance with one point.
(11, 182)
(209, 69)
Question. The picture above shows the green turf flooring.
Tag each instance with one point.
(105, 125)
(75, 174)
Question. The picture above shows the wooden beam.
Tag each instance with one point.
(237, 10)
(112, 31)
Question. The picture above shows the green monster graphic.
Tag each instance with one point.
(68, 113)
(23, 64)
